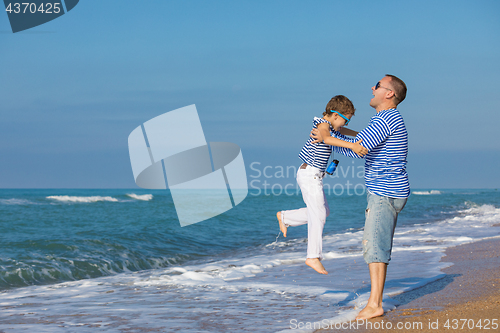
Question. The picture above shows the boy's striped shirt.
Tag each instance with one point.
(316, 154)
(385, 164)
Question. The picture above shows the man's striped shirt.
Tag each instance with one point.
(385, 164)
(316, 154)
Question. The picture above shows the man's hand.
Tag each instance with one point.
(316, 135)
(359, 149)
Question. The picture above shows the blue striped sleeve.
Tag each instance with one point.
(376, 132)
(345, 151)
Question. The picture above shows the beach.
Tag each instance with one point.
(466, 299)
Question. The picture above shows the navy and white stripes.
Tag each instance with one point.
(385, 164)
(316, 154)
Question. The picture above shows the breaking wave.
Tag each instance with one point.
(143, 197)
(67, 198)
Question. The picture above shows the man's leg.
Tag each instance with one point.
(381, 217)
(378, 271)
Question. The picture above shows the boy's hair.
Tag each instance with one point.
(399, 88)
(341, 104)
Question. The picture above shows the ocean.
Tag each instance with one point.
(118, 260)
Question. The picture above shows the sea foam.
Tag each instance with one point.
(143, 197)
(15, 201)
(67, 198)
(431, 192)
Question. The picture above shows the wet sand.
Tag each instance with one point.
(467, 298)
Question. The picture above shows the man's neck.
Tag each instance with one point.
(385, 106)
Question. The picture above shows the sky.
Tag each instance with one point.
(73, 89)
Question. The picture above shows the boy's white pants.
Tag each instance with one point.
(310, 181)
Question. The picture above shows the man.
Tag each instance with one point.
(386, 181)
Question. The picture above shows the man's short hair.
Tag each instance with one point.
(341, 104)
(399, 88)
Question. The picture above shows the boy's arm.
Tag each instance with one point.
(376, 132)
(347, 131)
(324, 132)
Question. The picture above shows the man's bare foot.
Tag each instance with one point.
(315, 264)
(282, 225)
(370, 312)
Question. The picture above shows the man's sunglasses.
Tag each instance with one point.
(379, 86)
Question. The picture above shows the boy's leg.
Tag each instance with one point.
(295, 217)
(312, 191)
(283, 227)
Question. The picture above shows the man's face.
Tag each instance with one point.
(379, 95)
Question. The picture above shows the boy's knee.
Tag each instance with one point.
(323, 212)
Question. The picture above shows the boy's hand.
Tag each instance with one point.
(359, 149)
(316, 135)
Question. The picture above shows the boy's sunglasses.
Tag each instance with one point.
(340, 114)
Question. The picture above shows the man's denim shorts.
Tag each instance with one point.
(381, 215)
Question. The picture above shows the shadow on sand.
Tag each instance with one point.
(430, 288)
(405, 297)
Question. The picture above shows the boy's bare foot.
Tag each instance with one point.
(370, 312)
(282, 225)
(315, 264)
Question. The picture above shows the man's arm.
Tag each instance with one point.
(347, 131)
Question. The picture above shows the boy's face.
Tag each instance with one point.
(337, 121)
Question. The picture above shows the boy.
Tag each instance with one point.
(338, 113)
